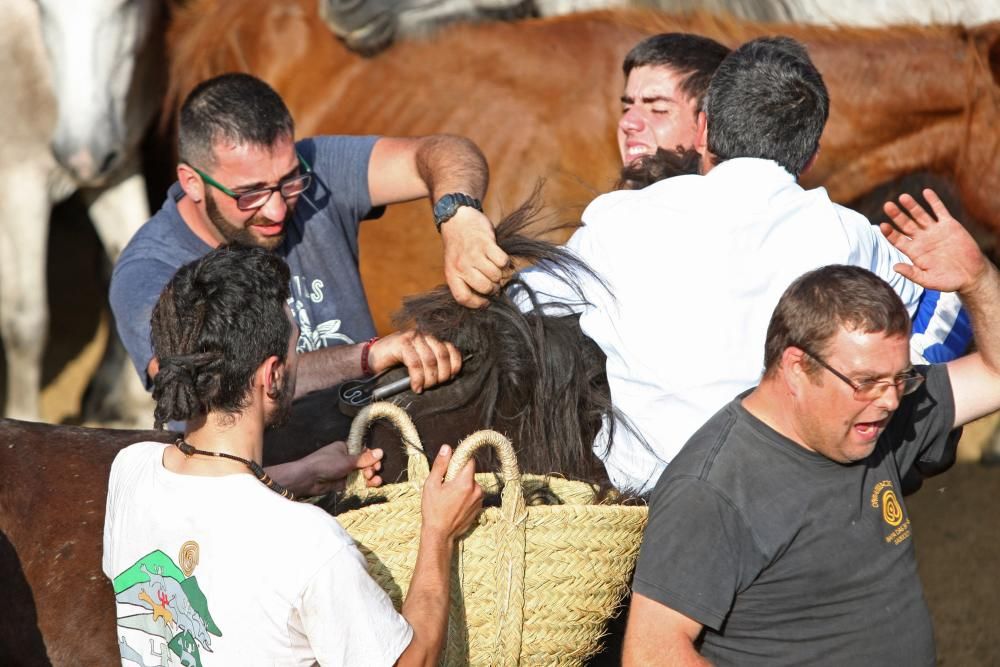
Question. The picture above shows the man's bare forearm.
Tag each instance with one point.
(426, 605)
(294, 476)
(975, 380)
(982, 300)
(450, 163)
(328, 367)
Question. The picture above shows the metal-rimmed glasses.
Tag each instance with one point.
(870, 390)
(254, 199)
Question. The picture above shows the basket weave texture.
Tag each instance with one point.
(533, 582)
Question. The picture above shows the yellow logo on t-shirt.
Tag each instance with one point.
(187, 559)
(892, 512)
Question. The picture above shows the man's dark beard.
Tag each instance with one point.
(242, 235)
(283, 395)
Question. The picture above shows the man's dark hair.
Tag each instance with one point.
(693, 57)
(814, 308)
(217, 320)
(234, 108)
(767, 100)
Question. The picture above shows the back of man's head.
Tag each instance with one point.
(819, 303)
(767, 100)
(217, 320)
(693, 58)
(237, 109)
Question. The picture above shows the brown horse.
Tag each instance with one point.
(59, 605)
(540, 98)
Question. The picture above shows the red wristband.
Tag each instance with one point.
(366, 369)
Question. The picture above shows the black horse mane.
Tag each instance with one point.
(531, 375)
(662, 164)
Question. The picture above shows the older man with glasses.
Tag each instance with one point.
(779, 534)
(243, 178)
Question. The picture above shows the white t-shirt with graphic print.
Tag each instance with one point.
(224, 571)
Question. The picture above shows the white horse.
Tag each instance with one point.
(368, 26)
(83, 86)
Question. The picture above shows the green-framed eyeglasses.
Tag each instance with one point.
(869, 390)
(254, 199)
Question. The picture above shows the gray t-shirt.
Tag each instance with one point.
(788, 558)
(321, 248)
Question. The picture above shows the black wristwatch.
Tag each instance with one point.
(448, 206)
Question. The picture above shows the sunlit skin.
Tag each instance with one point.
(827, 419)
(655, 113)
(242, 168)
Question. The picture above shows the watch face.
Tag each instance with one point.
(446, 207)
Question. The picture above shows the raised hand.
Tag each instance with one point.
(945, 256)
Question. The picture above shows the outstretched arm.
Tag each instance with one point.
(428, 361)
(325, 470)
(945, 257)
(402, 169)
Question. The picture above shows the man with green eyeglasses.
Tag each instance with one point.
(242, 178)
(779, 534)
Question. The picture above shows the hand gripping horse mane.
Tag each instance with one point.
(84, 88)
(529, 372)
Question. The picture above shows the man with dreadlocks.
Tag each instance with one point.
(220, 568)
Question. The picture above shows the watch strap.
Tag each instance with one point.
(448, 205)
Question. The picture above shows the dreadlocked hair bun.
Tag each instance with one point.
(185, 386)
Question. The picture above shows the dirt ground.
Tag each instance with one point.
(958, 542)
(956, 532)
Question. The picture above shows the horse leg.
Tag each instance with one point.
(366, 27)
(111, 396)
(21, 642)
(116, 394)
(24, 318)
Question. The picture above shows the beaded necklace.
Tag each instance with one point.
(189, 450)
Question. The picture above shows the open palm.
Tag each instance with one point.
(945, 256)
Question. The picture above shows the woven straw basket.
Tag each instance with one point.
(532, 584)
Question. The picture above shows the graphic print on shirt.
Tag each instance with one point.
(163, 616)
(312, 337)
(893, 513)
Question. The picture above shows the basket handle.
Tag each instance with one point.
(512, 497)
(510, 541)
(416, 460)
(476, 441)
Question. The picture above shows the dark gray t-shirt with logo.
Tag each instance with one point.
(321, 248)
(788, 558)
